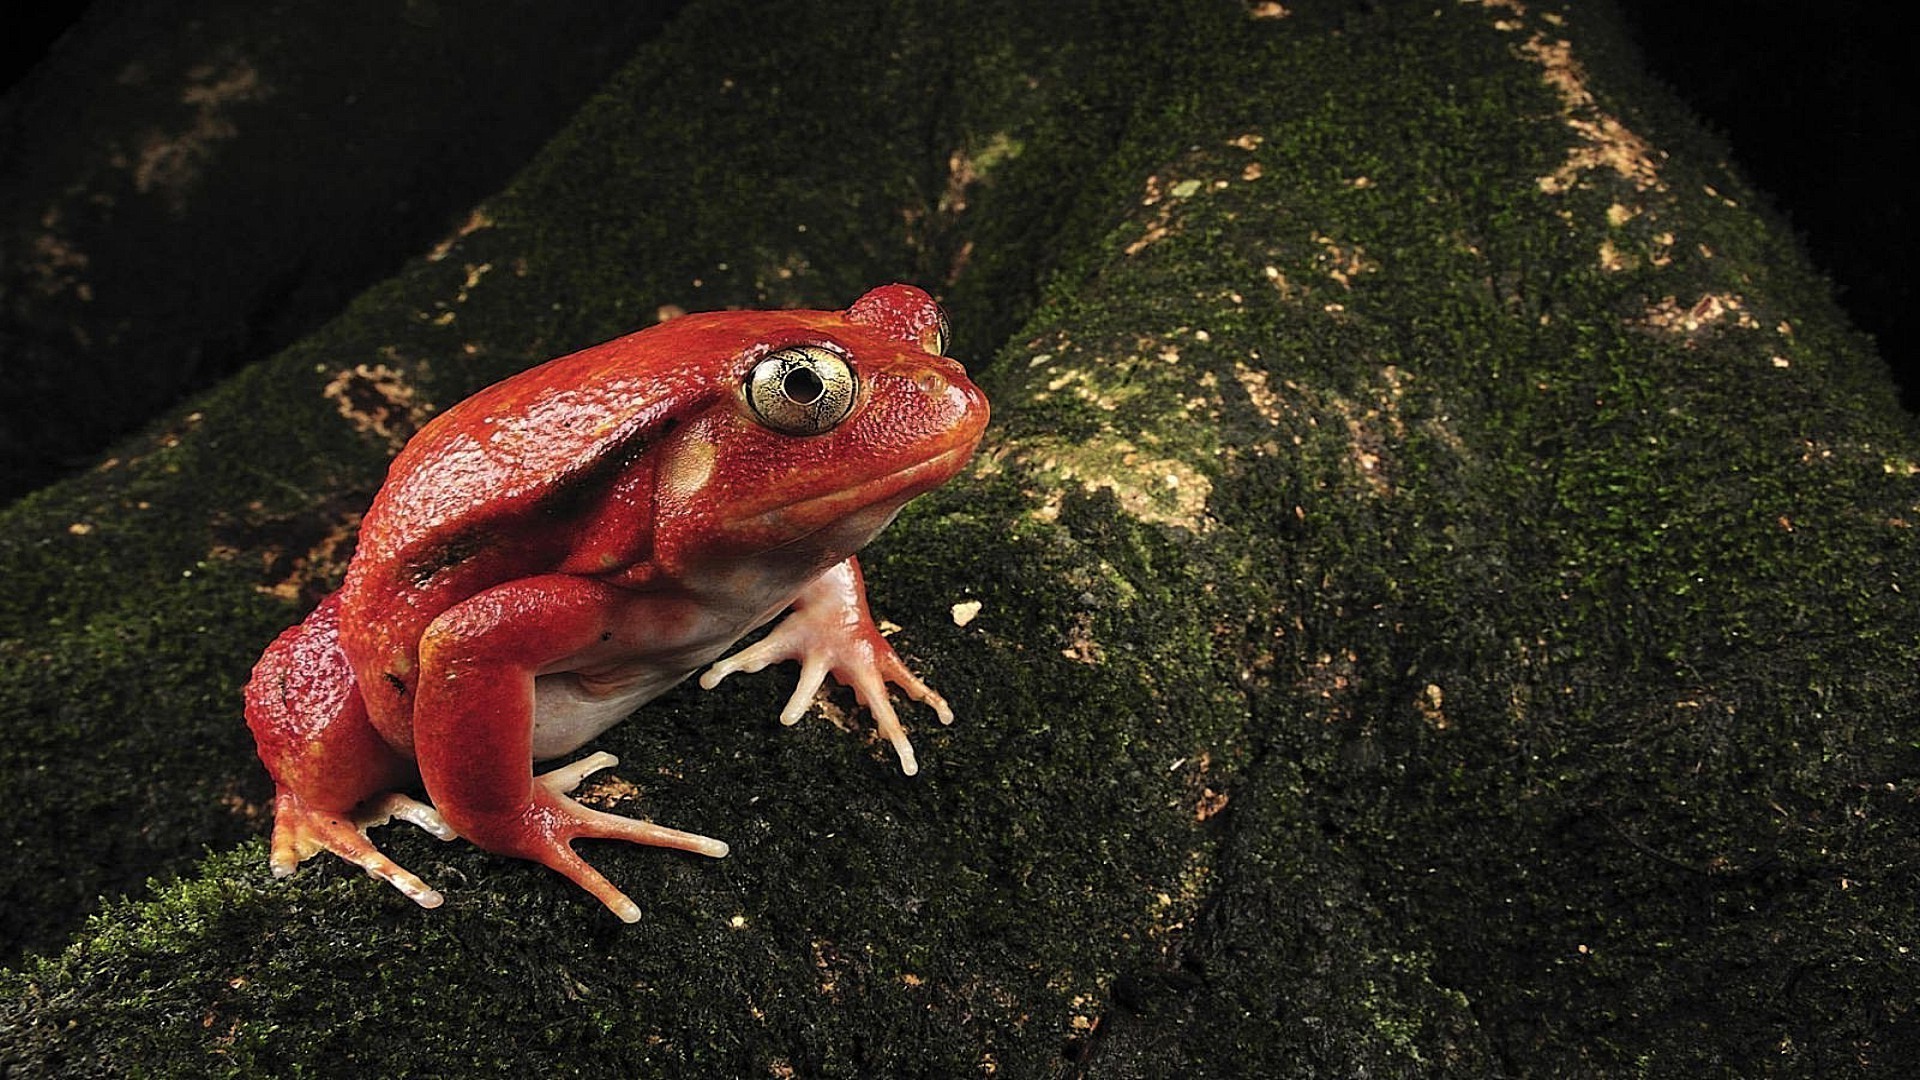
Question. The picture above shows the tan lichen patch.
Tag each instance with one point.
(1152, 488)
(1084, 1016)
(929, 227)
(302, 555)
(1165, 194)
(1277, 278)
(1374, 430)
(377, 400)
(1704, 314)
(55, 265)
(1612, 259)
(1081, 648)
(1207, 801)
(475, 222)
(1342, 263)
(1326, 680)
(1512, 21)
(169, 162)
(1605, 143)
(1078, 383)
(1662, 251)
(326, 560)
(1254, 381)
(831, 966)
(969, 165)
(242, 807)
(1158, 227)
(1658, 250)
(1154, 411)
(1173, 908)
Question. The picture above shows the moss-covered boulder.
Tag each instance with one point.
(1435, 593)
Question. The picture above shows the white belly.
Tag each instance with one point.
(566, 716)
(655, 644)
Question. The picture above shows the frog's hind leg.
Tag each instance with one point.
(333, 773)
(473, 723)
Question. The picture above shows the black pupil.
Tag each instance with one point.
(802, 386)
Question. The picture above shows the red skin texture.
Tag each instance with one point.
(602, 517)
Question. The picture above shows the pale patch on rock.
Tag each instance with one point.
(1605, 143)
(377, 400)
(475, 222)
(1431, 704)
(965, 612)
(55, 264)
(1155, 489)
(325, 560)
(1514, 6)
(1372, 431)
(967, 165)
(1612, 259)
(169, 162)
(1081, 646)
(1343, 264)
(1711, 310)
(1254, 381)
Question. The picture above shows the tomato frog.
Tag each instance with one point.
(565, 545)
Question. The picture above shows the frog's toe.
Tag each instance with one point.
(385, 808)
(564, 779)
(300, 832)
(599, 825)
(873, 694)
(378, 865)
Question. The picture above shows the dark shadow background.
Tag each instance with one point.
(1807, 98)
(1814, 100)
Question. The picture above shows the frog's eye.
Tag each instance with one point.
(942, 334)
(801, 389)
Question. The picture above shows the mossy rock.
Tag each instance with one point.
(1439, 562)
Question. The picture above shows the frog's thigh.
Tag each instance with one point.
(473, 721)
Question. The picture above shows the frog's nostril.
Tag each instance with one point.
(931, 383)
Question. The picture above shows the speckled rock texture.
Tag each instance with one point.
(1436, 580)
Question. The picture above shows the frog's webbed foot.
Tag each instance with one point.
(830, 632)
(544, 833)
(545, 829)
(301, 831)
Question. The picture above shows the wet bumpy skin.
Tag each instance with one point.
(553, 552)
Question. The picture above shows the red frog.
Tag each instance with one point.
(563, 546)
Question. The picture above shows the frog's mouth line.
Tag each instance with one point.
(896, 487)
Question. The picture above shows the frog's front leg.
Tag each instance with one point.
(831, 632)
(473, 728)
